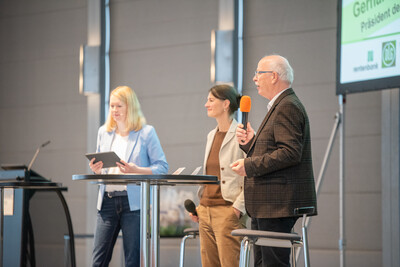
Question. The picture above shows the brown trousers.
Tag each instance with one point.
(218, 247)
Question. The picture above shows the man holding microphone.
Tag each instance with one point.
(278, 168)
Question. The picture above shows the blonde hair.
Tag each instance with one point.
(134, 116)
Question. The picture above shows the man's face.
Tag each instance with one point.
(263, 80)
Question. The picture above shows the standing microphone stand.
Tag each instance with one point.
(323, 168)
(339, 125)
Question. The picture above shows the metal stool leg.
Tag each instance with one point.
(191, 233)
(245, 248)
(305, 243)
(182, 254)
(293, 254)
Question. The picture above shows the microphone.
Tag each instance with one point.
(190, 207)
(36, 153)
(245, 106)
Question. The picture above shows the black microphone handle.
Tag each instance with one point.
(244, 119)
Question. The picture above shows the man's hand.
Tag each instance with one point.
(244, 136)
(238, 167)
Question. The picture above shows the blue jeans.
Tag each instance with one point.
(114, 216)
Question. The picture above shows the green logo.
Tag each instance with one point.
(370, 56)
(389, 54)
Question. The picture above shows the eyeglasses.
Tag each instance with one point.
(256, 73)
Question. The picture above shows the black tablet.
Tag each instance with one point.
(109, 159)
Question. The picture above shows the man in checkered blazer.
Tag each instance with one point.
(278, 168)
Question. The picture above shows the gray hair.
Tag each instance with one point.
(283, 68)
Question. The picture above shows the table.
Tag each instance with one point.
(149, 235)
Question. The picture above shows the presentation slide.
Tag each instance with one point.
(369, 40)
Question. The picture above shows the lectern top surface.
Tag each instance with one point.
(30, 185)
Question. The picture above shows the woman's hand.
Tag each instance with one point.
(96, 167)
(125, 167)
(237, 212)
(194, 217)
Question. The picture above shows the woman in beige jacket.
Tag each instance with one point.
(221, 206)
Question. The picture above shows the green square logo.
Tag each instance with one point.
(370, 56)
(389, 54)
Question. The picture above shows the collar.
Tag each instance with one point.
(271, 103)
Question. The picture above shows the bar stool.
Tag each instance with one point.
(276, 239)
(191, 233)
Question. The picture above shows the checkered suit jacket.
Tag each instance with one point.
(279, 164)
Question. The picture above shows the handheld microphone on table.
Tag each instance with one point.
(245, 106)
(190, 207)
(36, 153)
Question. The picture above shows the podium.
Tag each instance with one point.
(34, 219)
(149, 219)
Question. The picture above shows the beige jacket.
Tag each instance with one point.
(231, 183)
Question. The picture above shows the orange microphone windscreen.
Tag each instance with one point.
(245, 103)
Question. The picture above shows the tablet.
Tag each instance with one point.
(109, 159)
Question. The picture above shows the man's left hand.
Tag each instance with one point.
(238, 167)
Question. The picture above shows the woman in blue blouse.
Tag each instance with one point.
(126, 133)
